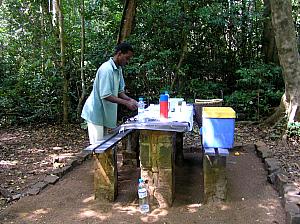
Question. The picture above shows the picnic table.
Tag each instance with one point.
(160, 147)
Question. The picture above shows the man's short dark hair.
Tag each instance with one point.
(124, 47)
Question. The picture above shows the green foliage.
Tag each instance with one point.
(222, 54)
(293, 129)
(204, 89)
(258, 89)
(31, 81)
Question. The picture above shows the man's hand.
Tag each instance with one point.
(131, 104)
(134, 101)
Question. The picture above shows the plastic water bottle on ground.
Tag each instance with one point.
(143, 197)
(141, 110)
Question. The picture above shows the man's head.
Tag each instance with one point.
(123, 53)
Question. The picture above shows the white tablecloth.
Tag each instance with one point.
(181, 114)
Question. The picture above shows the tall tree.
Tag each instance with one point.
(82, 71)
(285, 36)
(66, 100)
(184, 50)
(268, 37)
(127, 22)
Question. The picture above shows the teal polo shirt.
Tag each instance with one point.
(109, 81)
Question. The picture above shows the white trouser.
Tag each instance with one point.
(96, 132)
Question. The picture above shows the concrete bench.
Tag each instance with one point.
(105, 163)
(214, 173)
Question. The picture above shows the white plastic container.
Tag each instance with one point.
(174, 102)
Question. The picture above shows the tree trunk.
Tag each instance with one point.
(268, 40)
(127, 22)
(66, 101)
(184, 50)
(54, 10)
(244, 32)
(285, 36)
(42, 39)
(82, 71)
(177, 70)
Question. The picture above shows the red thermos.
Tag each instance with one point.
(164, 107)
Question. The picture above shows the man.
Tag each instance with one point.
(100, 109)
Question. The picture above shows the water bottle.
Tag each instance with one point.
(167, 93)
(164, 107)
(141, 110)
(169, 103)
(143, 197)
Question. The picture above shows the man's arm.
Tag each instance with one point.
(125, 97)
(124, 100)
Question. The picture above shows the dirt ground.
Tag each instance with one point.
(250, 198)
(29, 153)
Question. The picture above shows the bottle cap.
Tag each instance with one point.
(141, 98)
(141, 180)
(163, 97)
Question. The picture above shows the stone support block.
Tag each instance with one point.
(157, 158)
(105, 176)
(166, 187)
(179, 158)
(215, 181)
(129, 155)
(164, 155)
(145, 155)
(133, 141)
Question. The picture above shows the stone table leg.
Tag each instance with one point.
(157, 165)
(215, 181)
(131, 150)
(105, 176)
(179, 158)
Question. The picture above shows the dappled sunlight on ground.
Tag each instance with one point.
(130, 209)
(35, 215)
(9, 137)
(88, 213)
(89, 199)
(192, 208)
(8, 163)
(225, 207)
(269, 206)
(154, 215)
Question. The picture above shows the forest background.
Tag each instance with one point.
(51, 50)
